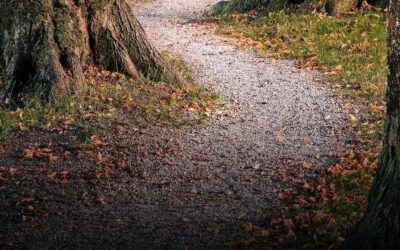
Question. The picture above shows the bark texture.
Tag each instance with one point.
(45, 45)
(380, 226)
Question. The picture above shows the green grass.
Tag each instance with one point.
(108, 98)
(350, 50)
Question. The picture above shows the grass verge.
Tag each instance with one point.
(111, 98)
(351, 52)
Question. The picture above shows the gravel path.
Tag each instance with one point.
(272, 99)
(278, 110)
(186, 188)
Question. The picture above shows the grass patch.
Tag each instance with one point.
(110, 98)
(350, 50)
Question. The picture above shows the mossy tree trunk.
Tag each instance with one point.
(380, 226)
(45, 45)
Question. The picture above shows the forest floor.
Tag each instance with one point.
(178, 187)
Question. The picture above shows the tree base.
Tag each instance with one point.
(46, 45)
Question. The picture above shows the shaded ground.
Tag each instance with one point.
(159, 187)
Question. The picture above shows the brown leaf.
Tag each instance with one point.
(40, 170)
(23, 127)
(104, 173)
(54, 158)
(306, 141)
(13, 170)
(247, 226)
(281, 138)
(95, 141)
(28, 200)
(159, 152)
(289, 224)
(68, 120)
(276, 220)
(352, 118)
(307, 165)
(165, 182)
(28, 153)
(52, 175)
(120, 163)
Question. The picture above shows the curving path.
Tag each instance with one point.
(207, 181)
(281, 116)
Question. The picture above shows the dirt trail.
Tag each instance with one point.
(209, 180)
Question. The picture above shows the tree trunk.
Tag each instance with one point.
(380, 226)
(45, 45)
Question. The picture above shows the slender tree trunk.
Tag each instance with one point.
(380, 226)
(45, 45)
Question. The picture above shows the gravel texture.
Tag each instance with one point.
(183, 188)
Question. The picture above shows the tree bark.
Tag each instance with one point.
(45, 45)
(380, 226)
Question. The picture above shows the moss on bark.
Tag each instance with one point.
(47, 44)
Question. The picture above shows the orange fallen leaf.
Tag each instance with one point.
(165, 182)
(40, 153)
(104, 173)
(52, 175)
(120, 163)
(95, 140)
(307, 165)
(54, 158)
(306, 141)
(23, 127)
(28, 153)
(68, 120)
(281, 138)
(159, 152)
(352, 118)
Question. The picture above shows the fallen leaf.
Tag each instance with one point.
(28, 153)
(120, 163)
(104, 173)
(68, 120)
(352, 118)
(247, 226)
(165, 182)
(13, 170)
(307, 165)
(23, 127)
(281, 138)
(52, 175)
(95, 141)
